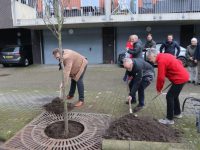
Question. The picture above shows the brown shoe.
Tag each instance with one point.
(79, 104)
(69, 97)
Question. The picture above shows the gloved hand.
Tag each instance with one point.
(127, 79)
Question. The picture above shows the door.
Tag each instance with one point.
(108, 44)
(187, 33)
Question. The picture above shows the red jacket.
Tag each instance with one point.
(130, 47)
(172, 68)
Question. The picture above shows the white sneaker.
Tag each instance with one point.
(178, 116)
(166, 121)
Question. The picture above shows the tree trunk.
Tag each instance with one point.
(63, 69)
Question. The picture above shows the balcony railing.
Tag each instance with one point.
(31, 12)
(72, 8)
(126, 7)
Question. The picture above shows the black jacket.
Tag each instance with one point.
(142, 73)
(197, 52)
(170, 47)
(137, 49)
(149, 44)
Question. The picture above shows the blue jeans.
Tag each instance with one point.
(80, 86)
(125, 76)
(141, 88)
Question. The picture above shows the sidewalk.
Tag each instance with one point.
(25, 90)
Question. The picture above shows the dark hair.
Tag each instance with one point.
(149, 34)
(170, 35)
(55, 51)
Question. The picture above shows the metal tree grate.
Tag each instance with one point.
(32, 136)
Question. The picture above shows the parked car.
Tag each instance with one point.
(180, 57)
(16, 54)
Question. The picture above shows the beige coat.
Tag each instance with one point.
(74, 64)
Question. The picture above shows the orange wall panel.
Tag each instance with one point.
(40, 5)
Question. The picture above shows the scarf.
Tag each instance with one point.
(60, 67)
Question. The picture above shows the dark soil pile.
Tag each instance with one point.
(56, 130)
(129, 127)
(57, 106)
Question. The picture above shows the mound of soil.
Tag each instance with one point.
(56, 130)
(57, 106)
(129, 127)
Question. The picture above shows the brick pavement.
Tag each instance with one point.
(25, 90)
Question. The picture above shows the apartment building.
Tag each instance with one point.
(99, 29)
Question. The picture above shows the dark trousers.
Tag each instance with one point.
(80, 86)
(141, 88)
(125, 76)
(173, 104)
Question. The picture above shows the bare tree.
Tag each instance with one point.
(53, 17)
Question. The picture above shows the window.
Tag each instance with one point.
(11, 49)
(23, 1)
(147, 4)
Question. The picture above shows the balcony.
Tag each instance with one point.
(101, 12)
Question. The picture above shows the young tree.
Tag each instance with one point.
(53, 17)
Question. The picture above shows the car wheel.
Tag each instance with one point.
(184, 61)
(26, 62)
(5, 65)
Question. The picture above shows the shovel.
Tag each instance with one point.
(129, 100)
(130, 108)
(154, 97)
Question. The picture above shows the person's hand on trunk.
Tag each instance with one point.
(191, 58)
(195, 61)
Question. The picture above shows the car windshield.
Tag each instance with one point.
(10, 49)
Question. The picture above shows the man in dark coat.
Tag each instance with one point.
(137, 48)
(136, 52)
(143, 74)
(149, 44)
(197, 60)
(170, 46)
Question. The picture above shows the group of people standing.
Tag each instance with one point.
(142, 71)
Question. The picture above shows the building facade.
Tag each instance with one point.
(99, 29)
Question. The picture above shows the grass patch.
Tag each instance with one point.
(12, 120)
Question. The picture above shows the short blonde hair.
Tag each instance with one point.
(130, 38)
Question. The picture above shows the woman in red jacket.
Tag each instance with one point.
(172, 68)
(129, 44)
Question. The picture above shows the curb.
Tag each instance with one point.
(140, 145)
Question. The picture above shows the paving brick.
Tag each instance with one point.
(25, 90)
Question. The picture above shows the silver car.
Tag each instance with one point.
(16, 54)
(181, 56)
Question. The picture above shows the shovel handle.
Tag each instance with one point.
(129, 100)
(158, 94)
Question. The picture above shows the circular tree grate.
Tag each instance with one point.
(32, 136)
